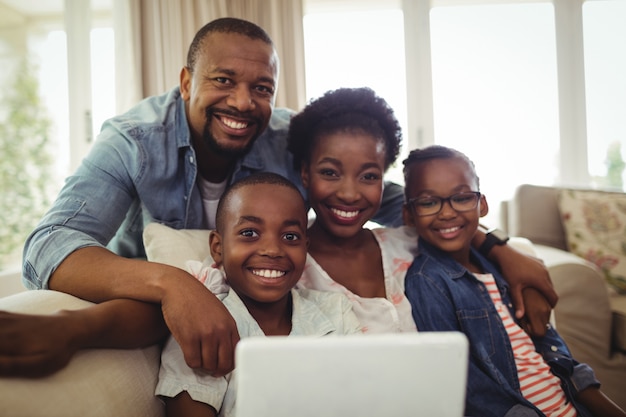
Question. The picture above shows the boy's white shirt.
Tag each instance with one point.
(314, 313)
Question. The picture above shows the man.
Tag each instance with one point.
(166, 160)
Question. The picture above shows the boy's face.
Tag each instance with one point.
(344, 179)
(263, 244)
(449, 230)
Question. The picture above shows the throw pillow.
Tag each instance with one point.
(595, 229)
(175, 247)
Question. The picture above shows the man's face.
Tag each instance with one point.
(230, 92)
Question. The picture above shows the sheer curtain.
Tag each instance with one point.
(152, 38)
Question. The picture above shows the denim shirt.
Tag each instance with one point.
(446, 297)
(142, 169)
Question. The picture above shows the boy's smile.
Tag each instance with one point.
(262, 245)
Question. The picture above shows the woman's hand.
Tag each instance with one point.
(531, 289)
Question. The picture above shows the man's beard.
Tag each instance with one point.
(212, 144)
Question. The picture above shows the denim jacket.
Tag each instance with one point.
(143, 169)
(446, 297)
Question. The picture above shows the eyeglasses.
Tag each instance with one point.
(427, 206)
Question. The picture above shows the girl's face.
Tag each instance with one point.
(449, 230)
(344, 178)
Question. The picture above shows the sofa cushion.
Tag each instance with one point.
(618, 306)
(175, 247)
(595, 229)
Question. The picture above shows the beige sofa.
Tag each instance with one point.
(590, 315)
(108, 382)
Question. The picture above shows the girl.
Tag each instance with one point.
(343, 142)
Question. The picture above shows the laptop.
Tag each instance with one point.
(391, 375)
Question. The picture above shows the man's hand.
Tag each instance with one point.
(522, 271)
(35, 345)
(202, 326)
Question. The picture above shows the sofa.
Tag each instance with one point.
(96, 382)
(591, 313)
(107, 382)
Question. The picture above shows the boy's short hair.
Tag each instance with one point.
(417, 156)
(256, 178)
(344, 109)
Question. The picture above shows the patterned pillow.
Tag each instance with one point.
(595, 229)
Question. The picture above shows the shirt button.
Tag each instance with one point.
(553, 348)
(191, 159)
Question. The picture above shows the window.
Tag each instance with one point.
(367, 53)
(605, 66)
(496, 94)
(38, 140)
(499, 92)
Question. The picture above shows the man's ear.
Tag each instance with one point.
(484, 207)
(185, 83)
(407, 216)
(215, 246)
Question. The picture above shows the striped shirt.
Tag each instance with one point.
(537, 383)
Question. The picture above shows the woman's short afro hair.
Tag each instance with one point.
(344, 109)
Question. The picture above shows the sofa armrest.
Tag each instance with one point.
(96, 382)
(583, 313)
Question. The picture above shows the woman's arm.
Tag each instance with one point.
(523, 272)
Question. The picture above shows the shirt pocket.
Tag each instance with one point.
(480, 329)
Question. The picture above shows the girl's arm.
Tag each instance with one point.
(599, 404)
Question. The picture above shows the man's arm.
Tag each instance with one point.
(200, 323)
(67, 253)
(390, 212)
(138, 299)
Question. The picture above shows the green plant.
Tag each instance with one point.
(615, 166)
(26, 162)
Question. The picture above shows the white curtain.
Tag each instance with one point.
(152, 38)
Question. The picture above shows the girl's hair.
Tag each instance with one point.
(418, 156)
(344, 110)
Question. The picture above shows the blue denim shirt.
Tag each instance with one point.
(446, 297)
(143, 169)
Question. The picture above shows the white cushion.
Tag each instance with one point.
(175, 247)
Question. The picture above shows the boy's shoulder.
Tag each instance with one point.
(322, 298)
(324, 310)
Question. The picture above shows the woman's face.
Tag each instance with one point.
(344, 178)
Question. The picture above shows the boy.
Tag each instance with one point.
(260, 247)
(452, 287)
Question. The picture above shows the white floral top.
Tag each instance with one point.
(392, 314)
